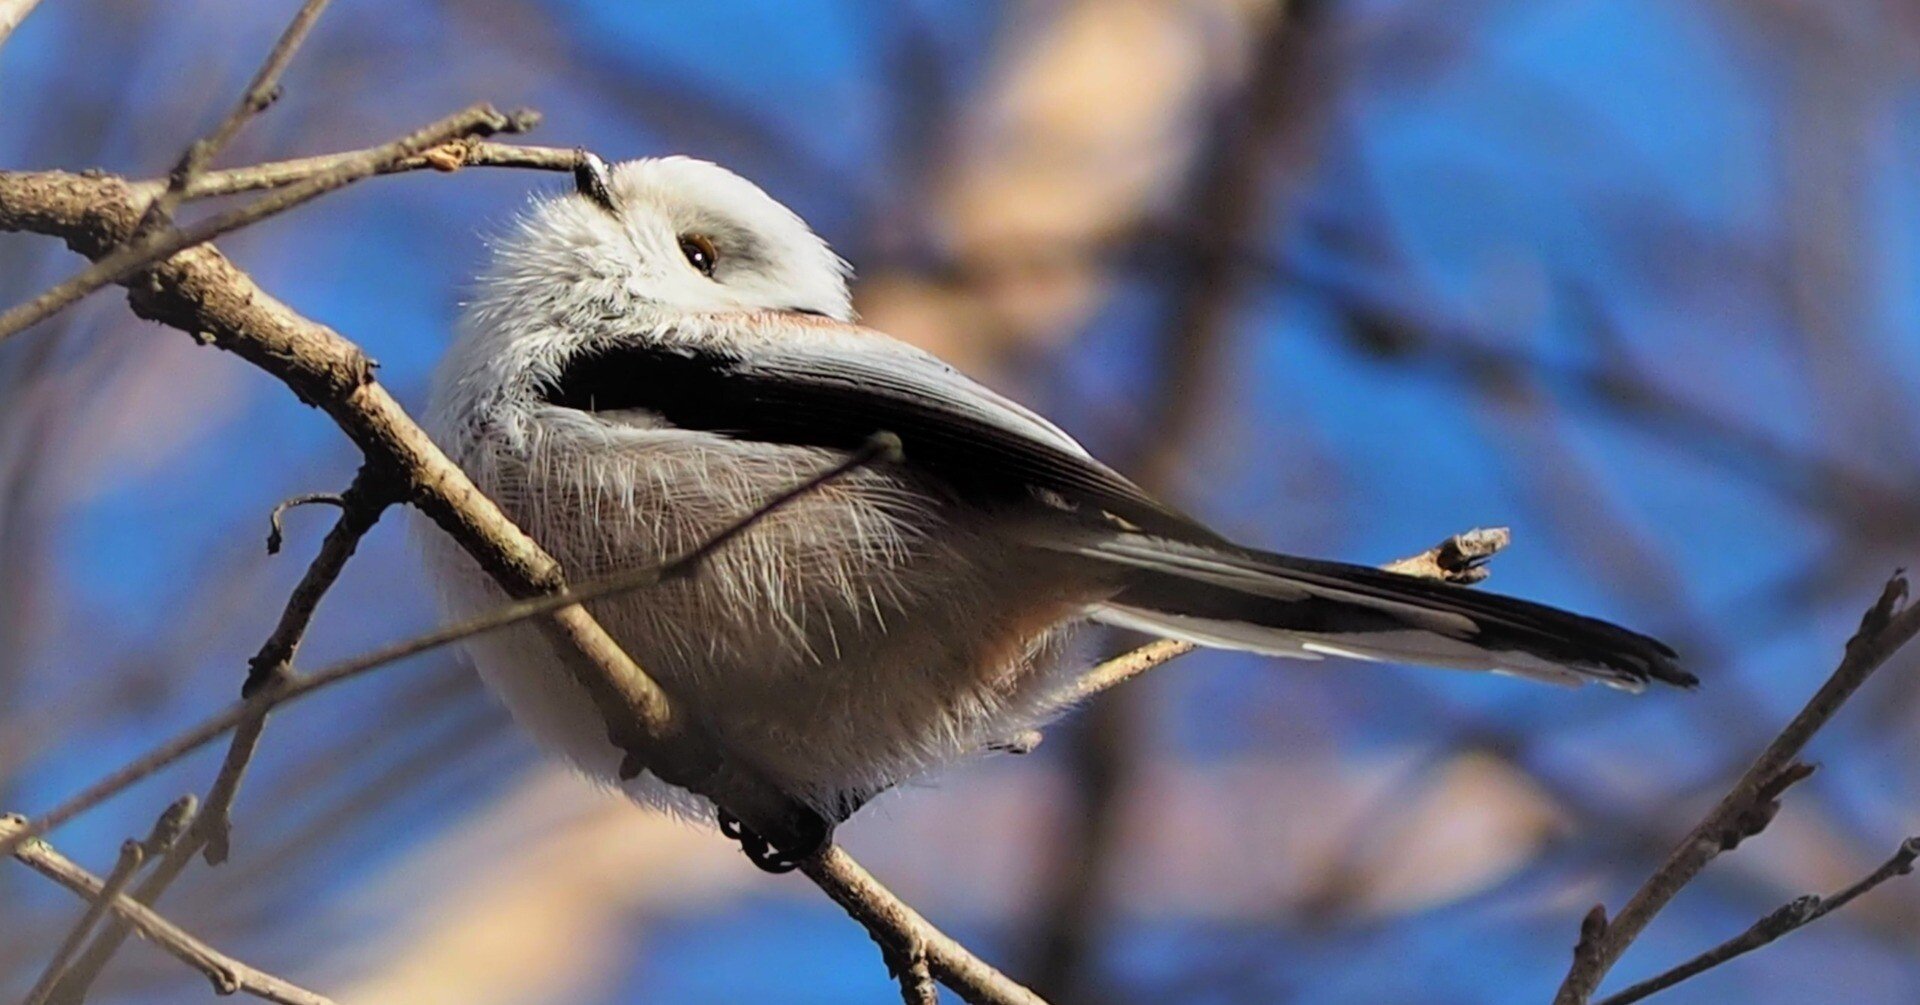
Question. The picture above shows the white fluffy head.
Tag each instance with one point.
(625, 244)
(610, 258)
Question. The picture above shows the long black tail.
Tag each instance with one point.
(1237, 598)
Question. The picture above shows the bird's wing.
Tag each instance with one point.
(838, 392)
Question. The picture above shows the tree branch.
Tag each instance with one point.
(446, 158)
(132, 854)
(263, 91)
(905, 935)
(135, 252)
(361, 506)
(1786, 918)
(1749, 806)
(227, 974)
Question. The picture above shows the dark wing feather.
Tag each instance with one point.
(951, 428)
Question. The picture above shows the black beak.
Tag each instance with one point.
(590, 179)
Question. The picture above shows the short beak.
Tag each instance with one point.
(590, 179)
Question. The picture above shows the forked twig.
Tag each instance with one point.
(1750, 804)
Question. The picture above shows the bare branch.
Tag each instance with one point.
(67, 985)
(276, 529)
(916, 983)
(263, 91)
(132, 854)
(361, 506)
(446, 158)
(1786, 918)
(1749, 805)
(227, 974)
(905, 935)
(1459, 559)
(123, 262)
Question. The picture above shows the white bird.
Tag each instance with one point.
(656, 354)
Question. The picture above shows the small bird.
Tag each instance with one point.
(659, 352)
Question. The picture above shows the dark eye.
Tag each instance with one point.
(700, 254)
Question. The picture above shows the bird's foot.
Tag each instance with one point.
(805, 835)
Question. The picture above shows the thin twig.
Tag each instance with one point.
(282, 690)
(447, 157)
(261, 92)
(227, 974)
(130, 258)
(1786, 918)
(1747, 807)
(132, 855)
(1459, 559)
(276, 528)
(361, 506)
(66, 979)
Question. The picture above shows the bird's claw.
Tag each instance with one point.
(764, 854)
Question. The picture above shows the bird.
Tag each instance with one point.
(654, 354)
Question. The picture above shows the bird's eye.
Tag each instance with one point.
(700, 254)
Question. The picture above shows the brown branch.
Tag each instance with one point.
(1786, 918)
(200, 292)
(64, 974)
(905, 935)
(916, 983)
(227, 974)
(361, 506)
(130, 256)
(1459, 559)
(1750, 804)
(262, 92)
(276, 526)
(447, 157)
(132, 855)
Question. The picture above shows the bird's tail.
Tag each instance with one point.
(1234, 598)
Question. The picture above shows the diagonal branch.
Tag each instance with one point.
(361, 506)
(132, 255)
(132, 856)
(227, 974)
(447, 157)
(1749, 805)
(907, 936)
(262, 92)
(1786, 918)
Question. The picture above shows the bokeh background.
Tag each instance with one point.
(1639, 278)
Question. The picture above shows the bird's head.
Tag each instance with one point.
(676, 234)
(633, 248)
